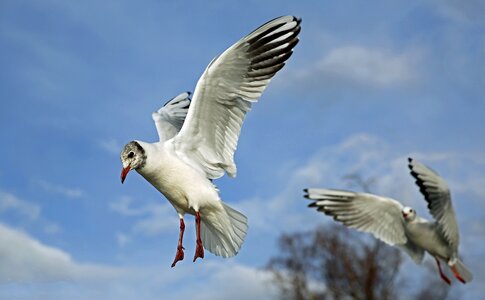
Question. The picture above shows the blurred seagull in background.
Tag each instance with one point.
(198, 137)
(398, 225)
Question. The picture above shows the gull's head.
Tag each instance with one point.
(132, 157)
(408, 213)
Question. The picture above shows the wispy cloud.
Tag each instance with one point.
(123, 206)
(466, 11)
(52, 228)
(286, 209)
(240, 282)
(122, 239)
(11, 203)
(149, 282)
(111, 146)
(28, 212)
(158, 220)
(68, 192)
(150, 218)
(355, 64)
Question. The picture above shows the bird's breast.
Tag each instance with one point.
(177, 181)
(428, 237)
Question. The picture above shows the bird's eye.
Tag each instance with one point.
(411, 210)
(131, 154)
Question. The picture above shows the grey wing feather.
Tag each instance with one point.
(171, 116)
(365, 212)
(224, 94)
(437, 194)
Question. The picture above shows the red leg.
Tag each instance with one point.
(180, 249)
(443, 276)
(199, 250)
(457, 275)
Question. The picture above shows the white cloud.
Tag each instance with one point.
(231, 281)
(25, 259)
(52, 228)
(207, 280)
(9, 202)
(158, 220)
(122, 239)
(68, 192)
(151, 218)
(286, 211)
(27, 212)
(111, 146)
(124, 207)
(374, 67)
(463, 11)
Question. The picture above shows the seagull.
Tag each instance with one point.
(198, 137)
(398, 225)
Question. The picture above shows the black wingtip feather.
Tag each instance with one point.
(274, 53)
(188, 97)
(257, 43)
(420, 183)
(295, 19)
(266, 71)
(410, 166)
(271, 61)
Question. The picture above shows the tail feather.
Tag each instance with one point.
(223, 233)
(464, 273)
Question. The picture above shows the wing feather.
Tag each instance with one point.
(437, 194)
(365, 212)
(224, 94)
(171, 116)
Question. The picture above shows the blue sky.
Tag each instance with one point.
(367, 86)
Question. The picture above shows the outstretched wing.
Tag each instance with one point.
(437, 194)
(170, 117)
(365, 212)
(225, 92)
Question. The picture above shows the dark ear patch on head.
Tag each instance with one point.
(135, 148)
(139, 147)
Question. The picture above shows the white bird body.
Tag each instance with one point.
(198, 138)
(185, 187)
(388, 220)
(425, 235)
(189, 191)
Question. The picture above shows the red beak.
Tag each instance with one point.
(124, 172)
(403, 214)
